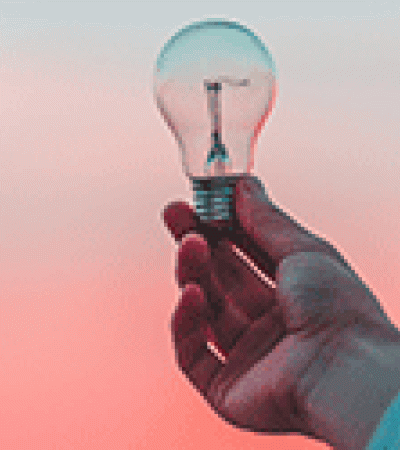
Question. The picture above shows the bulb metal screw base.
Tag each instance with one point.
(213, 198)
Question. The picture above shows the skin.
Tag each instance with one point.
(315, 355)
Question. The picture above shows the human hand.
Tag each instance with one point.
(312, 353)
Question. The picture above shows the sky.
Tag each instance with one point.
(87, 165)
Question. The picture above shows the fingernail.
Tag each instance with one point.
(198, 244)
(192, 312)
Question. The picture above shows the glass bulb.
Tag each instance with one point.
(215, 84)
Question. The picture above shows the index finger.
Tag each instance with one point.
(180, 219)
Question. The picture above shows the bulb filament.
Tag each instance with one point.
(218, 158)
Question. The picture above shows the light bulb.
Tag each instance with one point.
(215, 85)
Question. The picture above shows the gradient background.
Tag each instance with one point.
(87, 165)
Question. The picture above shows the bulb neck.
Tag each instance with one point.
(213, 198)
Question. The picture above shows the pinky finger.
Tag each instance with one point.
(196, 351)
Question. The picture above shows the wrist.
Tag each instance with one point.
(348, 388)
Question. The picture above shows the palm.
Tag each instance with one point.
(272, 335)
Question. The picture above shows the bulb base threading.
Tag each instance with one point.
(213, 198)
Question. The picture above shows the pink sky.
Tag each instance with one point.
(86, 268)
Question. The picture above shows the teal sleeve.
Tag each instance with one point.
(387, 434)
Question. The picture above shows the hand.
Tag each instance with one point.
(313, 354)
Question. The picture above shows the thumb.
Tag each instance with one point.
(270, 234)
